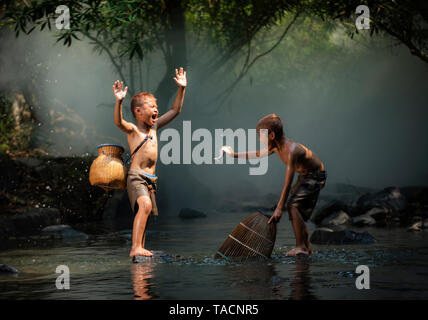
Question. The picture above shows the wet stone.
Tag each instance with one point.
(418, 226)
(5, 269)
(337, 218)
(390, 198)
(331, 208)
(63, 231)
(364, 220)
(328, 236)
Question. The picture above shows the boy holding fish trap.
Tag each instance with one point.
(301, 198)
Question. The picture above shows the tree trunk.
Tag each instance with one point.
(175, 51)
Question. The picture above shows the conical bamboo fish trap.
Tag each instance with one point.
(107, 170)
(254, 237)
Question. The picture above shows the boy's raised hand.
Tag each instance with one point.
(180, 77)
(119, 94)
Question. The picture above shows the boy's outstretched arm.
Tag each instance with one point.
(289, 175)
(120, 95)
(247, 155)
(180, 79)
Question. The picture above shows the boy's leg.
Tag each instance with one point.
(300, 232)
(139, 228)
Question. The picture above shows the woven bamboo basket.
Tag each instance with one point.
(107, 170)
(252, 238)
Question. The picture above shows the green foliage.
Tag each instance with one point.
(135, 27)
(403, 20)
(232, 24)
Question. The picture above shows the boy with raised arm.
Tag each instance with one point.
(142, 140)
(303, 196)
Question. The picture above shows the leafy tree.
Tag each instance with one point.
(134, 28)
(127, 31)
(403, 20)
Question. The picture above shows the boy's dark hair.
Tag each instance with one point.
(139, 100)
(274, 124)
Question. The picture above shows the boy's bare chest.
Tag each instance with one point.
(149, 148)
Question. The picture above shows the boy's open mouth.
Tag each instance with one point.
(154, 116)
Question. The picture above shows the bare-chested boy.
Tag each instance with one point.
(141, 181)
(303, 196)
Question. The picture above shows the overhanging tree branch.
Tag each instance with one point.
(412, 47)
(222, 96)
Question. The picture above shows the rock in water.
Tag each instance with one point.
(63, 231)
(187, 213)
(418, 226)
(327, 210)
(389, 198)
(7, 269)
(336, 219)
(28, 223)
(378, 214)
(328, 236)
(364, 220)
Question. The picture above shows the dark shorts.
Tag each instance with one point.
(140, 184)
(304, 193)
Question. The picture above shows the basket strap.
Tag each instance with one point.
(148, 136)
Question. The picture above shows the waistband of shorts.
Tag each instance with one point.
(315, 173)
(142, 172)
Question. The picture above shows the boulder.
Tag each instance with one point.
(418, 226)
(328, 236)
(390, 199)
(378, 214)
(337, 218)
(187, 213)
(328, 209)
(29, 222)
(63, 231)
(4, 269)
(363, 221)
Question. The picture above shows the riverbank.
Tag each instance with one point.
(29, 184)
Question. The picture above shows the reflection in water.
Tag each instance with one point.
(141, 275)
(257, 280)
(261, 280)
(301, 284)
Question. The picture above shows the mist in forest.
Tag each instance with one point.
(365, 115)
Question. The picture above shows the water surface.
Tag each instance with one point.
(100, 266)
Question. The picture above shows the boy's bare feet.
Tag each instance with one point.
(308, 245)
(139, 251)
(296, 251)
